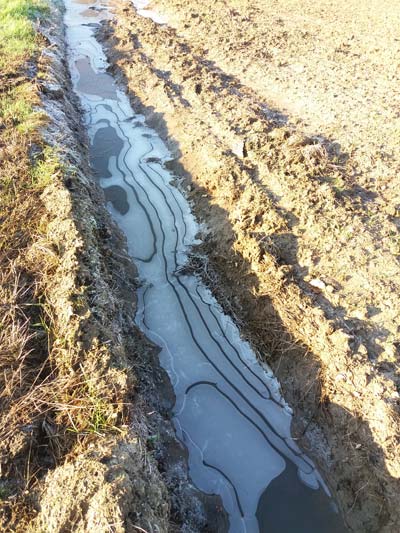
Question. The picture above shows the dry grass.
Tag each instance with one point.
(49, 402)
(24, 341)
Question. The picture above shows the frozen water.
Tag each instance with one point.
(229, 411)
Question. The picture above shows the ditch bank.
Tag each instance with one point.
(228, 410)
(86, 442)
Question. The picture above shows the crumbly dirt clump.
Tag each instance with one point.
(293, 247)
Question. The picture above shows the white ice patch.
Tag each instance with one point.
(141, 6)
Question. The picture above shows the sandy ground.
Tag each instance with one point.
(333, 67)
(295, 182)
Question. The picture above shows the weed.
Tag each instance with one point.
(47, 168)
(101, 419)
(99, 412)
(17, 109)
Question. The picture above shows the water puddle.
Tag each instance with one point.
(229, 411)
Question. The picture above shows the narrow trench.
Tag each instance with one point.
(229, 411)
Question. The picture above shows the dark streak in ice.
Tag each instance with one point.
(208, 465)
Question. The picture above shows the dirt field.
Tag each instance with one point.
(331, 67)
(283, 117)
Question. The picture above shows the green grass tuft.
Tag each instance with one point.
(17, 33)
(47, 168)
(17, 109)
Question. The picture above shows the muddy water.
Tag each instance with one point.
(229, 411)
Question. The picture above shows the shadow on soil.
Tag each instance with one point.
(284, 245)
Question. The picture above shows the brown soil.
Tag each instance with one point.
(300, 242)
(332, 68)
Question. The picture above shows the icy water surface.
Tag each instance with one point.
(229, 411)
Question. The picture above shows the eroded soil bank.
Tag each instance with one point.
(86, 444)
(289, 250)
